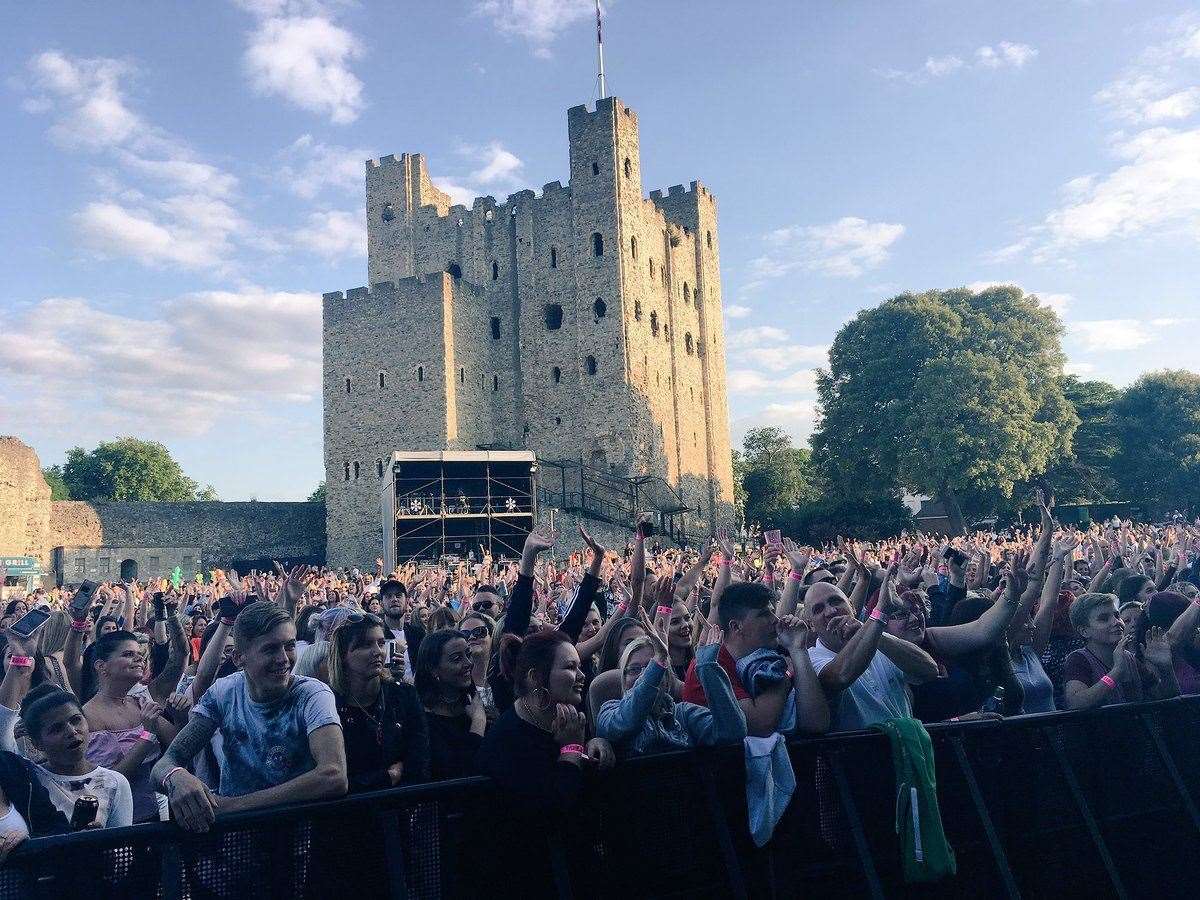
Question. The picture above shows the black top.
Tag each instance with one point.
(452, 746)
(26, 793)
(516, 621)
(390, 730)
(524, 760)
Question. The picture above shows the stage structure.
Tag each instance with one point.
(449, 503)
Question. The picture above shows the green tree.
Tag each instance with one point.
(126, 469)
(1158, 425)
(775, 476)
(951, 394)
(208, 494)
(318, 494)
(1085, 475)
(58, 487)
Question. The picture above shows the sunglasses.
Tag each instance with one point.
(478, 633)
(357, 617)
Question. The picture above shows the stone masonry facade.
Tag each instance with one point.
(581, 322)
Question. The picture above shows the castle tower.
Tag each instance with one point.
(584, 322)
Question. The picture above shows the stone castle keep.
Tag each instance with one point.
(581, 323)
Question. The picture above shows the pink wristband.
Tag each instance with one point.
(1107, 681)
(622, 608)
(145, 735)
(663, 611)
(79, 626)
(572, 748)
(795, 576)
(877, 614)
(21, 662)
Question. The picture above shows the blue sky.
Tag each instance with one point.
(181, 181)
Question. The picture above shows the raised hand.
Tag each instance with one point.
(798, 557)
(656, 633)
(539, 540)
(794, 633)
(1157, 651)
(570, 725)
(724, 544)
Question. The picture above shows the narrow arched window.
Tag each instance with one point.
(556, 374)
(495, 383)
(382, 380)
(598, 244)
(462, 376)
(600, 308)
(420, 373)
(652, 267)
(379, 467)
(595, 168)
(356, 470)
(633, 247)
(687, 343)
(590, 362)
(637, 310)
(687, 294)
(347, 385)
(554, 257)
(708, 239)
(554, 316)
(495, 271)
(495, 328)
(347, 465)
(654, 323)
(628, 167)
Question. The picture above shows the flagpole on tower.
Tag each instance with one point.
(600, 52)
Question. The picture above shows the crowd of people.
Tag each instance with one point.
(190, 700)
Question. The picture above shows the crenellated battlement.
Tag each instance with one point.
(498, 319)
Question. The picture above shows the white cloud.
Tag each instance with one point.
(183, 174)
(1155, 184)
(737, 311)
(842, 249)
(539, 22)
(494, 167)
(305, 59)
(751, 381)
(192, 232)
(753, 337)
(207, 355)
(334, 234)
(1004, 54)
(1158, 185)
(942, 65)
(1111, 335)
(498, 165)
(309, 167)
(87, 97)
(1079, 369)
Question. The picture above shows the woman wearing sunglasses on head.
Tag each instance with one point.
(387, 742)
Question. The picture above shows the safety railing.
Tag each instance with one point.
(1092, 804)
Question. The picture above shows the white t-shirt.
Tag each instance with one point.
(878, 694)
(109, 787)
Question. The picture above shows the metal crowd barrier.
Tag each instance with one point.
(1091, 804)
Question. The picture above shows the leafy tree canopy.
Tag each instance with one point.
(58, 487)
(1157, 419)
(127, 469)
(944, 393)
(318, 494)
(775, 476)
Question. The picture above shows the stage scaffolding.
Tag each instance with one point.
(449, 504)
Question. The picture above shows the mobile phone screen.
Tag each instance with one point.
(30, 622)
(772, 537)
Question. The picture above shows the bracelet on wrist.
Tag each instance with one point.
(1108, 681)
(166, 778)
(568, 749)
(877, 614)
(663, 611)
(795, 576)
(81, 625)
(144, 735)
(21, 662)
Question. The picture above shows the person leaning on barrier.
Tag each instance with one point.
(383, 725)
(864, 671)
(1105, 669)
(746, 614)
(282, 735)
(648, 720)
(455, 713)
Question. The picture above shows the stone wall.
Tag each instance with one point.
(24, 502)
(73, 564)
(585, 323)
(222, 532)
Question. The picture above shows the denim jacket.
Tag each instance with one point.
(632, 728)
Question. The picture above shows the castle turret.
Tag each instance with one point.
(396, 189)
